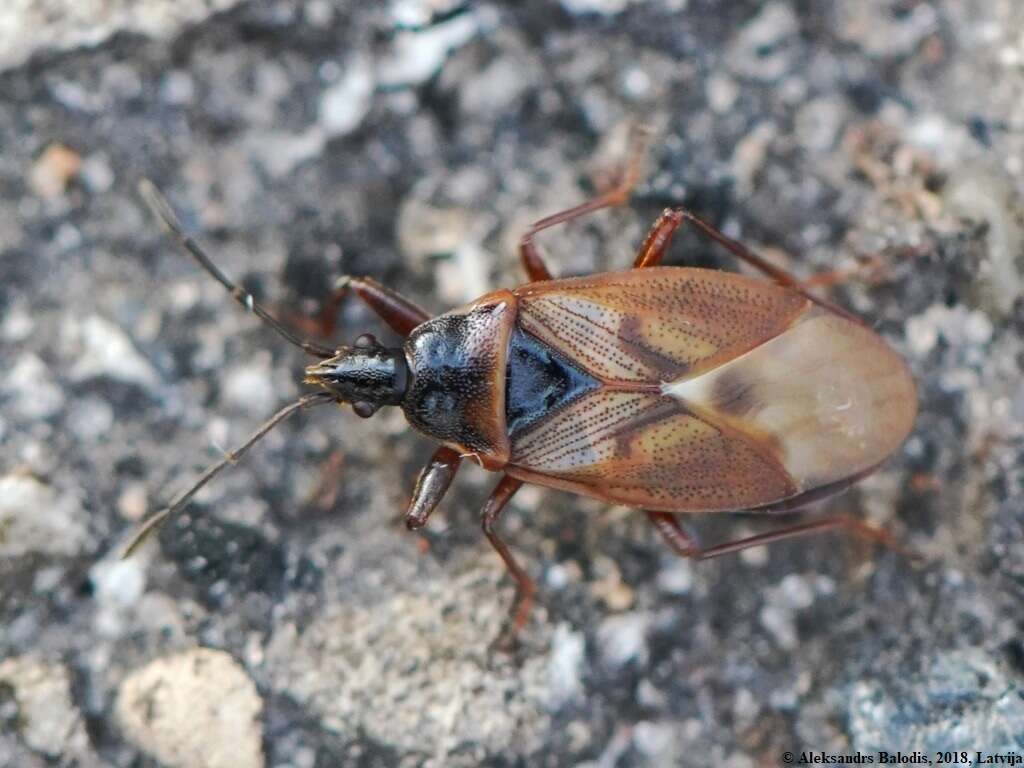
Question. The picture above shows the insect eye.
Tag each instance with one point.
(366, 341)
(363, 409)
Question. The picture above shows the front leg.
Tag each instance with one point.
(393, 308)
(431, 486)
(400, 314)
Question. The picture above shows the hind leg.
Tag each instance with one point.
(684, 545)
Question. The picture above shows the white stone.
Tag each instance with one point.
(28, 27)
(415, 57)
(34, 519)
(344, 104)
(249, 387)
(50, 724)
(196, 709)
(623, 638)
(34, 396)
(105, 350)
(603, 7)
(565, 667)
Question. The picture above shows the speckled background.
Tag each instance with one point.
(288, 622)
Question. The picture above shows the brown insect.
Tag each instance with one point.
(668, 389)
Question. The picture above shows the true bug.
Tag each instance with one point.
(668, 389)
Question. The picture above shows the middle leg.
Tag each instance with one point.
(534, 265)
(525, 588)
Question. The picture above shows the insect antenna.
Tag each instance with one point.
(157, 519)
(162, 210)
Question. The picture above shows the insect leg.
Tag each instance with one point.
(734, 247)
(431, 486)
(685, 546)
(741, 252)
(504, 491)
(163, 211)
(617, 195)
(658, 239)
(864, 270)
(398, 312)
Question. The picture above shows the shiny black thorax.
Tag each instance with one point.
(477, 380)
(452, 359)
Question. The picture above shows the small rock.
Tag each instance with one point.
(426, 231)
(106, 350)
(623, 638)
(118, 580)
(782, 602)
(722, 92)
(874, 26)
(677, 577)
(49, 722)
(958, 325)
(452, 236)
(419, 13)
(779, 622)
(985, 195)
(565, 668)
(133, 501)
(178, 87)
(53, 171)
(118, 583)
(609, 587)
(344, 104)
(280, 152)
(603, 7)
(794, 592)
(17, 325)
(33, 518)
(28, 27)
(97, 173)
(249, 387)
(34, 395)
(197, 709)
(658, 741)
(819, 122)
(764, 48)
(417, 56)
(90, 419)
(496, 88)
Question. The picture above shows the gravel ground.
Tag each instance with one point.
(289, 622)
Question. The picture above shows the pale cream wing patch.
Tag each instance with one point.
(831, 396)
